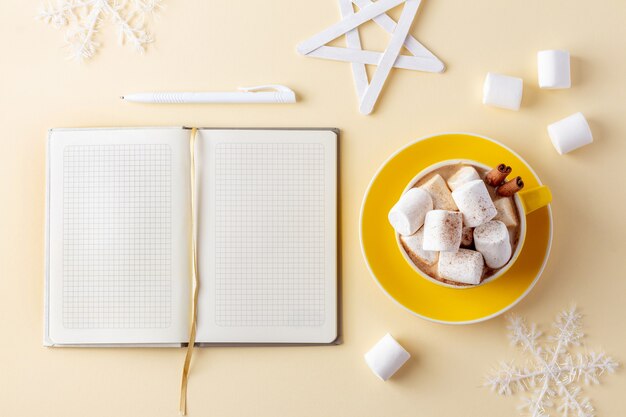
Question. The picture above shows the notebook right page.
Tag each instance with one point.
(267, 241)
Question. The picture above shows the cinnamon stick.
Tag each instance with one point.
(510, 187)
(496, 176)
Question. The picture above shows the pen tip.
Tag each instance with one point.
(122, 97)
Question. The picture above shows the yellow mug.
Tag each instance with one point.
(526, 202)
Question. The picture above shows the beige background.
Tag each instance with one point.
(219, 45)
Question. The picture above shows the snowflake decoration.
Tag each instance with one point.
(552, 374)
(84, 17)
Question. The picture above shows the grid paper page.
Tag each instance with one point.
(269, 234)
(117, 239)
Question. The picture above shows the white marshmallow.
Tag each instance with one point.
(475, 203)
(464, 266)
(502, 91)
(461, 176)
(570, 133)
(506, 211)
(442, 230)
(438, 190)
(414, 244)
(386, 357)
(493, 242)
(407, 215)
(553, 67)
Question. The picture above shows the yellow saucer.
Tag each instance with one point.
(396, 277)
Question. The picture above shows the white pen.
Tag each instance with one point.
(260, 94)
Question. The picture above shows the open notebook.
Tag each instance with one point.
(118, 236)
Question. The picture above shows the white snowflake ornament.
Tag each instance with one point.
(83, 19)
(553, 372)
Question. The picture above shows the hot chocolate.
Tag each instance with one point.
(473, 227)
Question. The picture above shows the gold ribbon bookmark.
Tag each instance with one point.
(194, 277)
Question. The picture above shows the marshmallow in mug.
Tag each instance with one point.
(506, 211)
(438, 190)
(386, 357)
(502, 91)
(493, 242)
(462, 176)
(415, 244)
(475, 203)
(570, 133)
(407, 215)
(553, 68)
(442, 230)
(465, 266)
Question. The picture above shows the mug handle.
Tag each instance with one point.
(535, 198)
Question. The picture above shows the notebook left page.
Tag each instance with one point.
(118, 236)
